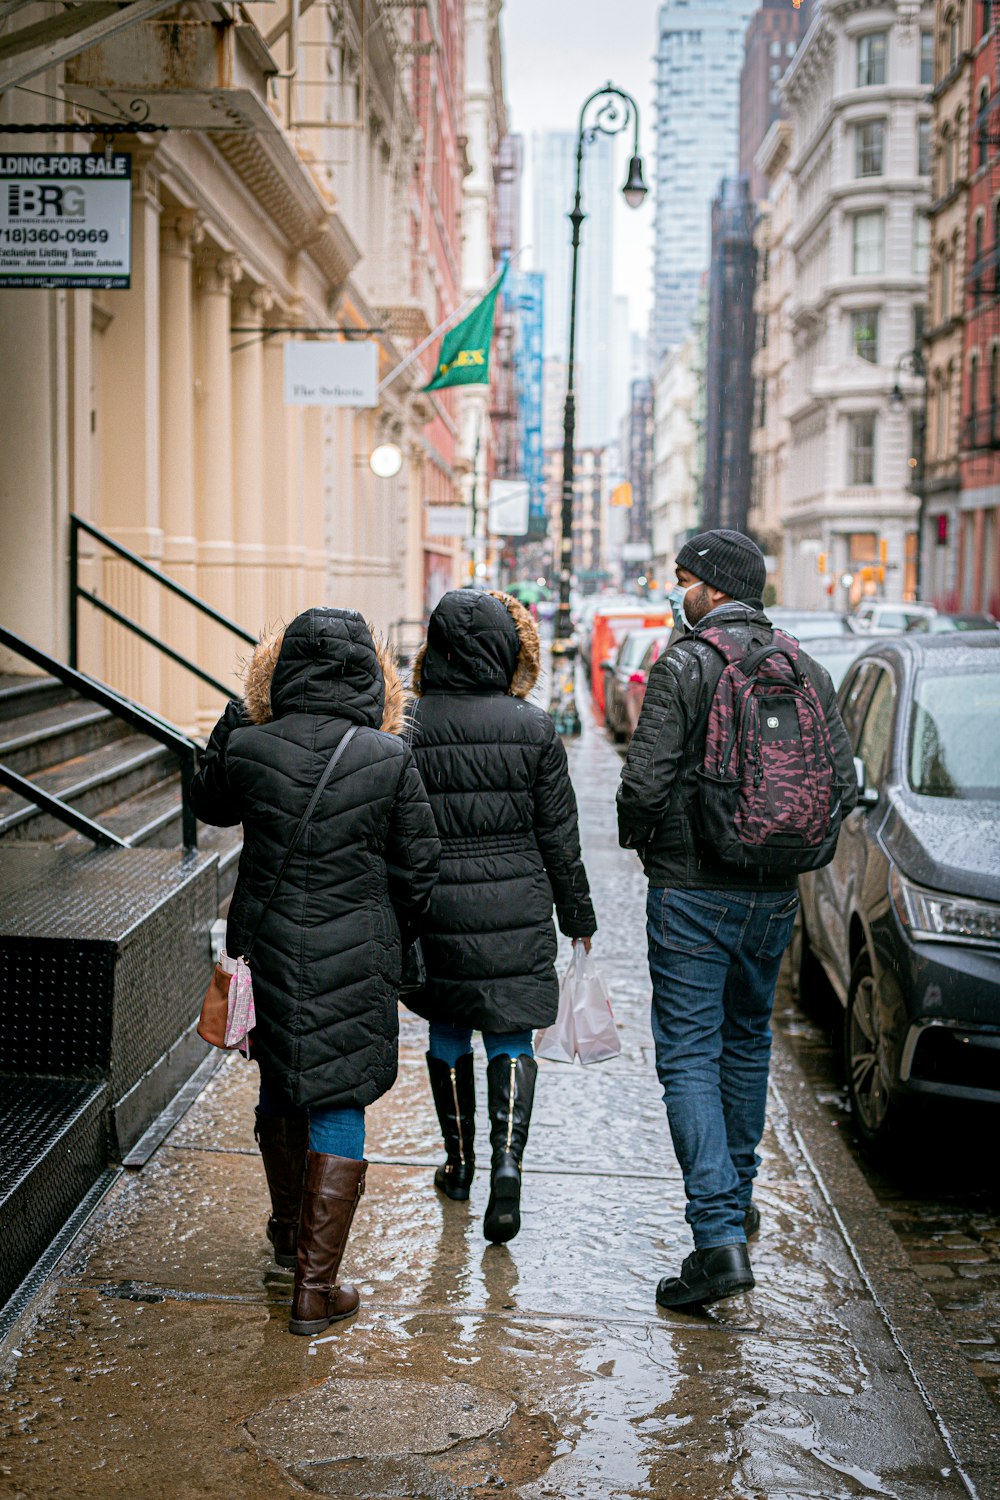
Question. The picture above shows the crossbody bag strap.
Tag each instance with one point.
(310, 806)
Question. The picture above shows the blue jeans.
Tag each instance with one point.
(449, 1043)
(714, 958)
(334, 1132)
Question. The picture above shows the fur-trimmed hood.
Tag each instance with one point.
(327, 661)
(478, 642)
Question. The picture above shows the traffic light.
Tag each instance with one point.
(883, 551)
(821, 562)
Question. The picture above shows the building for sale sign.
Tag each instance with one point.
(65, 220)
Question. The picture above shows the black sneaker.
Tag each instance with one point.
(707, 1276)
(751, 1221)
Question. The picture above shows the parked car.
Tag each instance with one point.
(837, 652)
(942, 624)
(635, 688)
(623, 671)
(883, 616)
(610, 627)
(806, 624)
(905, 922)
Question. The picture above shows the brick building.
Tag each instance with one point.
(772, 40)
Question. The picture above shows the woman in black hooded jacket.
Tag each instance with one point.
(496, 775)
(326, 959)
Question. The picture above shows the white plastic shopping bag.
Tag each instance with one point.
(557, 1043)
(593, 1021)
(585, 1026)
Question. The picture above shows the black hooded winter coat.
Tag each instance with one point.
(496, 775)
(326, 962)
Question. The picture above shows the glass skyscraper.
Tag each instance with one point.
(699, 55)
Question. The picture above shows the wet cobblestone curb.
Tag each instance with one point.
(968, 1420)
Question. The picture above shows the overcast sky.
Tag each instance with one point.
(559, 51)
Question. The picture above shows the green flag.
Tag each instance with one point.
(465, 351)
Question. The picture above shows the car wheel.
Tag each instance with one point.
(867, 1062)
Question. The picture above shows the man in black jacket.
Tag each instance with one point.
(716, 931)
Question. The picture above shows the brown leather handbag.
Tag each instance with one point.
(214, 1020)
(215, 1009)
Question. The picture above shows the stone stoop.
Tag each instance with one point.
(105, 955)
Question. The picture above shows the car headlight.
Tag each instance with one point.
(953, 919)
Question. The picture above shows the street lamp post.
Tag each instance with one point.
(614, 115)
(912, 362)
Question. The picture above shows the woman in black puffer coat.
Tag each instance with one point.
(496, 774)
(326, 959)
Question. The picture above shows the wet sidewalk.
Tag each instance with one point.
(156, 1362)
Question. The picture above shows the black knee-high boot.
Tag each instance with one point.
(283, 1140)
(511, 1082)
(454, 1090)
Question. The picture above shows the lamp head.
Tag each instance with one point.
(386, 460)
(896, 397)
(635, 188)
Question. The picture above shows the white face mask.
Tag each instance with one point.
(676, 599)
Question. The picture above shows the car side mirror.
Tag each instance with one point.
(867, 795)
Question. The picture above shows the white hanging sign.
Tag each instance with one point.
(65, 220)
(509, 504)
(448, 520)
(321, 373)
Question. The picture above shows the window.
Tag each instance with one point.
(944, 288)
(951, 29)
(775, 49)
(871, 59)
(921, 245)
(924, 148)
(941, 413)
(983, 132)
(919, 324)
(873, 746)
(948, 160)
(973, 396)
(927, 57)
(994, 389)
(864, 334)
(869, 149)
(790, 48)
(856, 698)
(986, 10)
(978, 234)
(867, 245)
(861, 448)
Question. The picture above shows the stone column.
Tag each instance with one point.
(219, 652)
(180, 233)
(249, 307)
(128, 409)
(282, 491)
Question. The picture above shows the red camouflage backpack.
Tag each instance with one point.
(769, 798)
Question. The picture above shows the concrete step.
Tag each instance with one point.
(93, 782)
(36, 741)
(20, 694)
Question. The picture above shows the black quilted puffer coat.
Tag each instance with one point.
(326, 963)
(496, 775)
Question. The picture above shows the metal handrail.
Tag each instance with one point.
(142, 720)
(76, 593)
(59, 809)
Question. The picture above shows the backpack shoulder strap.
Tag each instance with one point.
(307, 814)
(722, 642)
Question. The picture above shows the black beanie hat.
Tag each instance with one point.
(726, 560)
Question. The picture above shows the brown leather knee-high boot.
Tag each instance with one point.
(330, 1195)
(283, 1140)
